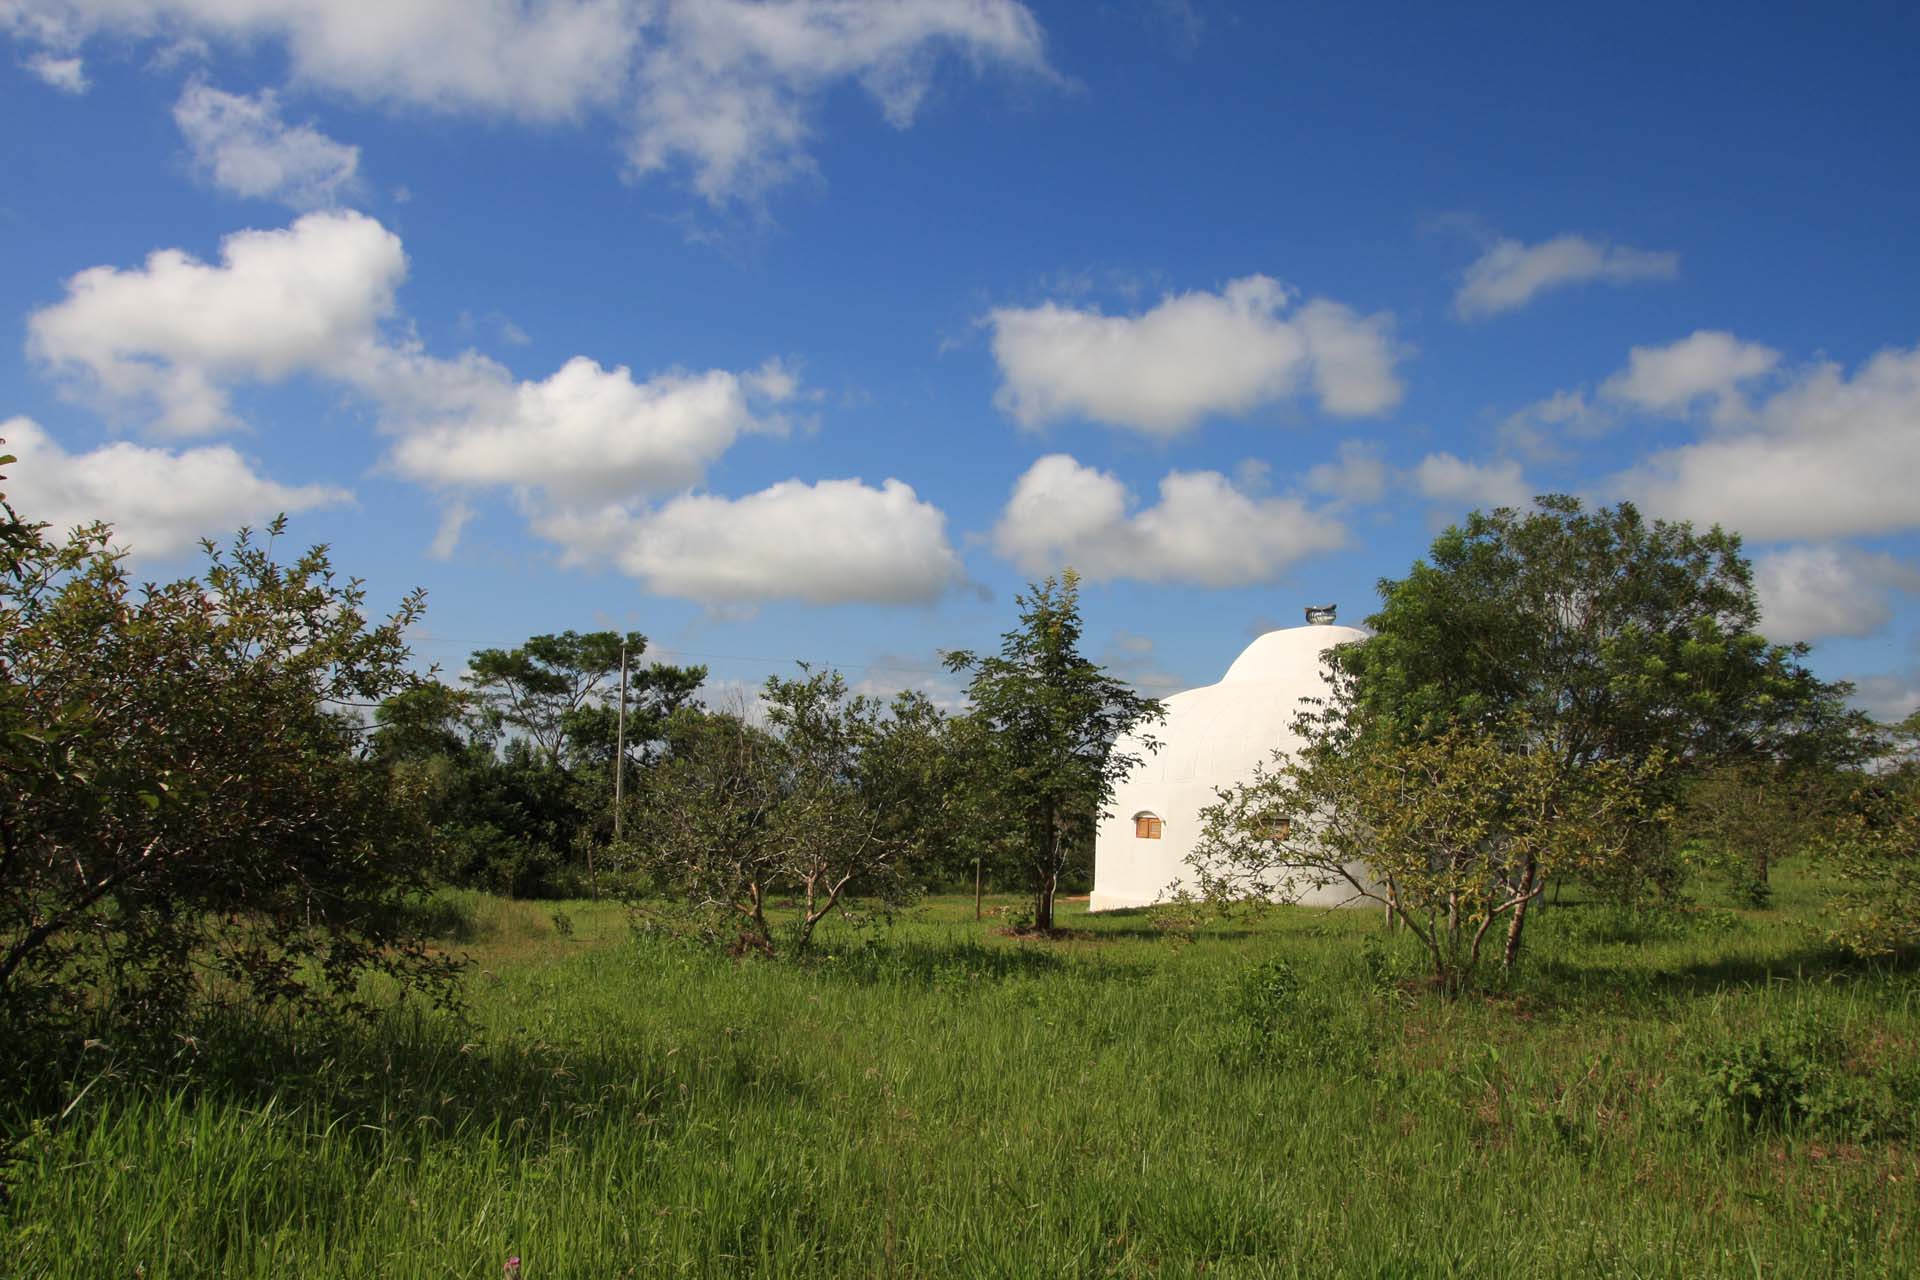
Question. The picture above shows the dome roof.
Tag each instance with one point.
(1218, 731)
(1213, 737)
(1289, 656)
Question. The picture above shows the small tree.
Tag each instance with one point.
(540, 794)
(185, 815)
(1053, 717)
(1741, 820)
(1454, 833)
(1875, 848)
(736, 818)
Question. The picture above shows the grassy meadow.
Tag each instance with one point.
(1699, 1093)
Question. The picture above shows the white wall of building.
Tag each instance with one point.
(1212, 738)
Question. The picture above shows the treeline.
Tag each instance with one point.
(233, 788)
(533, 784)
(515, 769)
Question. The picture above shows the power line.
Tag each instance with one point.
(717, 657)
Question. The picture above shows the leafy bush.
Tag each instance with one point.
(1761, 1085)
(1875, 847)
(1280, 1018)
(1796, 1081)
(1386, 969)
(188, 816)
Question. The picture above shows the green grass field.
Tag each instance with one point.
(1697, 1094)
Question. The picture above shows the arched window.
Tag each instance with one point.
(1146, 826)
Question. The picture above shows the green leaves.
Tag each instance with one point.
(1609, 638)
(1454, 831)
(559, 693)
(1052, 719)
(808, 808)
(188, 815)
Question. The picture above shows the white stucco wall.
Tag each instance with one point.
(1212, 737)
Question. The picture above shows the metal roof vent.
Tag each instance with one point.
(1321, 615)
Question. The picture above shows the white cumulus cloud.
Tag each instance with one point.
(728, 86)
(727, 89)
(1888, 696)
(1203, 529)
(587, 432)
(241, 145)
(1708, 369)
(1537, 430)
(1455, 482)
(1706, 365)
(175, 333)
(538, 61)
(161, 502)
(175, 337)
(1194, 355)
(832, 542)
(1810, 592)
(1511, 274)
(1358, 476)
(1825, 456)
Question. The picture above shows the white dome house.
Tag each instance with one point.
(1212, 738)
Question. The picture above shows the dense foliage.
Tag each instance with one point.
(1875, 847)
(1536, 703)
(1454, 834)
(184, 815)
(517, 769)
(1052, 718)
(827, 805)
(1616, 638)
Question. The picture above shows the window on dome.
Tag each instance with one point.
(1146, 826)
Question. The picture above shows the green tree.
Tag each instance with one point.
(421, 722)
(930, 774)
(560, 693)
(185, 813)
(1875, 847)
(1608, 637)
(527, 814)
(1453, 832)
(1053, 717)
(1740, 820)
(737, 818)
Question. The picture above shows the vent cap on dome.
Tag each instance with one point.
(1321, 615)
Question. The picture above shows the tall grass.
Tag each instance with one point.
(1274, 1098)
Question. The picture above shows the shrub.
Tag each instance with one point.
(1875, 848)
(1793, 1080)
(1279, 1018)
(188, 817)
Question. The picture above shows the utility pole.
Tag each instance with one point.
(620, 747)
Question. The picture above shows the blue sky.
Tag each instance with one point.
(811, 330)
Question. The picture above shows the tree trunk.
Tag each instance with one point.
(1046, 874)
(1511, 952)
